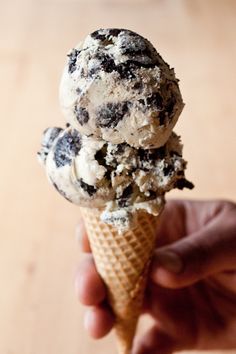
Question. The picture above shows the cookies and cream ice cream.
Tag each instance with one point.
(118, 152)
(115, 86)
(117, 178)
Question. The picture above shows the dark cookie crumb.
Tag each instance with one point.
(66, 147)
(106, 63)
(110, 114)
(100, 156)
(115, 31)
(81, 114)
(161, 152)
(98, 35)
(72, 60)
(167, 170)
(123, 201)
(155, 100)
(175, 153)
(126, 70)
(138, 86)
(183, 183)
(151, 155)
(91, 190)
(102, 35)
(142, 101)
(114, 219)
(135, 50)
(152, 195)
(121, 148)
(170, 105)
(54, 132)
(162, 117)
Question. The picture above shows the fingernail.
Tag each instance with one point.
(88, 319)
(169, 261)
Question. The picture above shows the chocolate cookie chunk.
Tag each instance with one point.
(66, 148)
(81, 114)
(110, 114)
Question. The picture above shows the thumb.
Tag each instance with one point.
(203, 253)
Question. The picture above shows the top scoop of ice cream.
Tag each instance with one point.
(115, 86)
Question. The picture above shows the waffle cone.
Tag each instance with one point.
(122, 261)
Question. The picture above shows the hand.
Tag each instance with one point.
(191, 294)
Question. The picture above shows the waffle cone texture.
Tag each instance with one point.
(122, 260)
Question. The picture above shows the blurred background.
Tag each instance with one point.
(39, 312)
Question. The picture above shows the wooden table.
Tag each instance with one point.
(39, 313)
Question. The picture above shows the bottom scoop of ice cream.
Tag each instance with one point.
(116, 178)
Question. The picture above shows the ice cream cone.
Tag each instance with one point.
(122, 260)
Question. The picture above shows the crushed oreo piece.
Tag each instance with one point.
(98, 35)
(161, 151)
(123, 201)
(91, 190)
(81, 114)
(138, 86)
(49, 135)
(105, 63)
(162, 117)
(126, 70)
(66, 147)
(167, 170)
(120, 218)
(110, 114)
(121, 148)
(170, 105)
(72, 60)
(152, 194)
(115, 31)
(151, 155)
(142, 101)
(155, 100)
(136, 48)
(103, 35)
(175, 153)
(100, 156)
(183, 183)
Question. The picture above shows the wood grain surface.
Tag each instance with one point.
(39, 313)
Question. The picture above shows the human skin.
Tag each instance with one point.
(191, 292)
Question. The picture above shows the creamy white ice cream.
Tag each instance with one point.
(118, 152)
(117, 178)
(115, 86)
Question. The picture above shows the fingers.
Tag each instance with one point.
(167, 231)
(91, 291)
(82, 237)
(89, 287)
(207, 251)
(155, 341)
(98, 321)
